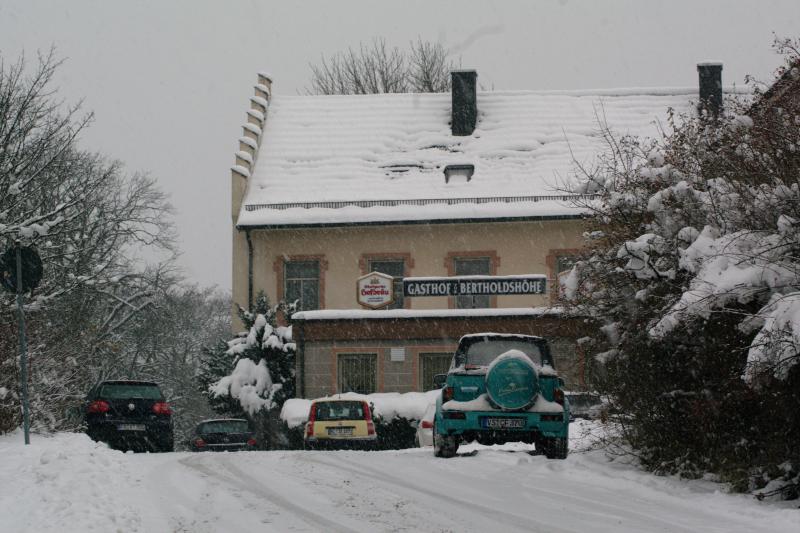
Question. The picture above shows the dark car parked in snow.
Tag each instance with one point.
(129, 415)
(587, 405)
(223, 434)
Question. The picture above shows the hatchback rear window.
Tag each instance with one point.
(225, 426)
(121, 391)
(327, 411)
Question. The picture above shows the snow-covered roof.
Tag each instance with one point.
(357, 314)
(381, 158)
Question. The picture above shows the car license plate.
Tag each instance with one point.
(131, 427)
(340, 431)
(503, 423)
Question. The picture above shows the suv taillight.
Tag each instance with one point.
(447, 394)
(558, 396)
(427, 424)
(200, 443)
(251, 441)
(162, 408)
(99, 407)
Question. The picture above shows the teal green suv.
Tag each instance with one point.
(501, 388)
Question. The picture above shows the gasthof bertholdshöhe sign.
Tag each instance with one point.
(375, 290)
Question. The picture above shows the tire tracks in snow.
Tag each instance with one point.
(240, 480)
(523, 523)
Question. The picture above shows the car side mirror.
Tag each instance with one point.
(439, 380)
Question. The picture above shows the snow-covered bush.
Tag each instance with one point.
(253, 373)
(692, 268)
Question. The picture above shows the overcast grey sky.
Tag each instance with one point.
(169, 81)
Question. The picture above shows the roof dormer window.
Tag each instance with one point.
(458, 173)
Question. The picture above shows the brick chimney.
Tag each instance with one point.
(710, 74)
(465, 102)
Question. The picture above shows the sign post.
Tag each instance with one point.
(20, 271)
(23, 352)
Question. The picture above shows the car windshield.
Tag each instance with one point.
(225, 426)
(121, 391)
(327, 411)
(483, 352)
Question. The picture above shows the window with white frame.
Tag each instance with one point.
(301, 283)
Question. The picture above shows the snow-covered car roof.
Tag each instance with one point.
(373, 158)
(491, 334)
(222, 420)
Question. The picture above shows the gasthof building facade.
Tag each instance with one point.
(467, 185)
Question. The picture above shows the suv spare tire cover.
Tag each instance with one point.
(512, 384)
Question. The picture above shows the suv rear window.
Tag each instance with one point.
(121, 391)
(225, 426)
(483, 352)
(327, 411)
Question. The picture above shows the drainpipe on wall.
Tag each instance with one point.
(300, 363)
(249, 270)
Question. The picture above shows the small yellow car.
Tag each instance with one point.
(340, 423)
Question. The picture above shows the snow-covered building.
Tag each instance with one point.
(327, 189)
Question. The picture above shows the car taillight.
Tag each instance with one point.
(447, 394)
(426, 424)
(99, 406)
(310, 429)
(200, 443)
(368, 418)
(251, 441)
(558, 396)
(312, 417)
(162, 408)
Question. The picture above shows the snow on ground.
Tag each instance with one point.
(68, 483)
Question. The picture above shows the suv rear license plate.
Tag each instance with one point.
(131, 427)
(502, 423)
(340, 432)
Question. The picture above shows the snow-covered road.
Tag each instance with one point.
(68, 483)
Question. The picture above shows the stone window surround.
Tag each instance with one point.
(377, 351)
(278, 267)
(450, 265)
(408, 265)
(416, 351)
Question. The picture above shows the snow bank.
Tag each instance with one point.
(64, 482)
(387, 405)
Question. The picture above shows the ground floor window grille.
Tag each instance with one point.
(432, 364)
(357, 373)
